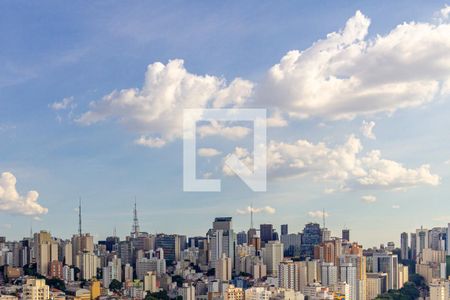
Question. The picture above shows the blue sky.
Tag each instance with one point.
(56, 50)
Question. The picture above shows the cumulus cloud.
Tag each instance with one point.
(369, 199)
(318, 214)
(215, 128)
(367, 129)
(12, 202)
(276, 120)
(346, 74)
(155, 111)
(256, 210)
(208, 152)
(344, 164)
(444, 13)
(395, 206)
(64, 104)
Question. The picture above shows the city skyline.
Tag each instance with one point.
(367, 143)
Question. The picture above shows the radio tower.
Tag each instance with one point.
(251, 215)
(323, 216)
(79, 217)
(135, 230)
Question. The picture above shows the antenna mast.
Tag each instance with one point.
(251, 215)
(79, 217)
(136, 229)
(323, 216)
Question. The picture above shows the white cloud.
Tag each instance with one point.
(444, 13)
(156, 110)
(7, 226)
(215, 128)
(276, 120)
(395, 206)
(12, 202)
(346, 74)
(369, 199)
(343, 164)
(318, 214)
(208, 152)
(150, 142)
(64, 104)
(265, 209)
(367, 129)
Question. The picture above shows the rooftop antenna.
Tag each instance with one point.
(251, 215)
(136, 229)
(31, 229)
(114, 232)
(79, 217)
(323, 216)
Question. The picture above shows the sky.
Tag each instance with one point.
(92, 97)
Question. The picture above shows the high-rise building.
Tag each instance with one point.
(404, 246)
(81, 243)
(273, 255)
(266, 233)
(89, 263)
(413, 246)
(387, 263)
(328, 251)
(187, 292)
(222, 240)
(251, 233)
(145, 265)
(346, 234)
(150, 282)
(224, 268)
(170, 243)
(329, 274)
(421, 240)
(35, 289)
(348, 275)
(112, 271)
(223, 223)
(128, 273)
(241, 238)
(439, 290)
(286, 274)
(448, 239)
(376, 284)
(284, 229)
(55, 269)
(291, 244)
(326, 234)
(311, 237)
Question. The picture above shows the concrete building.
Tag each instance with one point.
(273, 255)
(35, 289)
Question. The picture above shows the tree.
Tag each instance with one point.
(157, 295)
(418, 280)
(115, 285)
(56, 283)
(178, 279)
